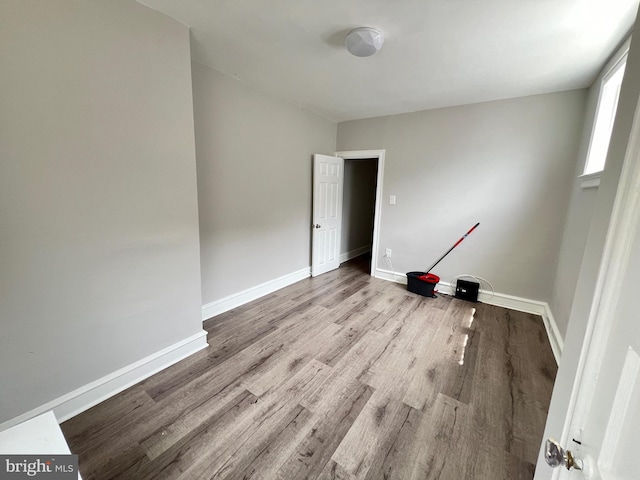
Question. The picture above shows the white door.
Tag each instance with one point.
(603, 428)
(327, 213)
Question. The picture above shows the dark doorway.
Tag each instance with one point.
(358, 208)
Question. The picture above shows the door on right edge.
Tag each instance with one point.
(604, 430)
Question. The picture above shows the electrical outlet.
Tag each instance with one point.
(387, 253)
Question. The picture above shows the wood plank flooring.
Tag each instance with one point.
(341, 376)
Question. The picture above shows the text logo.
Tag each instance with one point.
(50, 467)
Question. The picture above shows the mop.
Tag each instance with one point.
(423, 283)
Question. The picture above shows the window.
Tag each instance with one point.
(605, 115)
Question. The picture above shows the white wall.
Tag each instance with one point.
(254, 182)
(506, 164)
(358, 204)
(585, 285)
(98, 207)
(576, 227)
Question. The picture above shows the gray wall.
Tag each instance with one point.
(98, 207)
(254, 182)
(358, 204)
(507, 164)
(576, 226)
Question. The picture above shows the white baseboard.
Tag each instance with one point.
(553, 332)
(391, 276)
(345, 257)
(237, 299)
(85, 397)
(499, 300)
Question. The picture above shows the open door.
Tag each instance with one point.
(602, 429)
(327, 213)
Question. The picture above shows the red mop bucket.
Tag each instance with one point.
(423, 283)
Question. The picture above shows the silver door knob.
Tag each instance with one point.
(555, 456)
(317, 226)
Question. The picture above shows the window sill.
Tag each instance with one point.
(590, 181)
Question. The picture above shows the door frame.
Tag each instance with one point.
(379, 155)
(617, 249)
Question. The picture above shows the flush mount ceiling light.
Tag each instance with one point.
(364, 42)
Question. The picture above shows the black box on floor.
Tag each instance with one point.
(466, 290)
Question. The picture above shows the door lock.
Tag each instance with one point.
(317, 226)
(555, 456)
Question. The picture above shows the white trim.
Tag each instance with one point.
(85, 397)
(237, 299)
(620, 410)
(553, 333)
(499, 300)
(592, 180)
(614, 63)
(345, 257)
(379, 154)
(391, 276)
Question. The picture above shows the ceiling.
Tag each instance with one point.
(437, 53)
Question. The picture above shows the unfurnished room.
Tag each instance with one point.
(288, 240)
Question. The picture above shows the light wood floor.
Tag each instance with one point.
(341, 376)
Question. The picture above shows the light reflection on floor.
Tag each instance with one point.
(466, 323)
